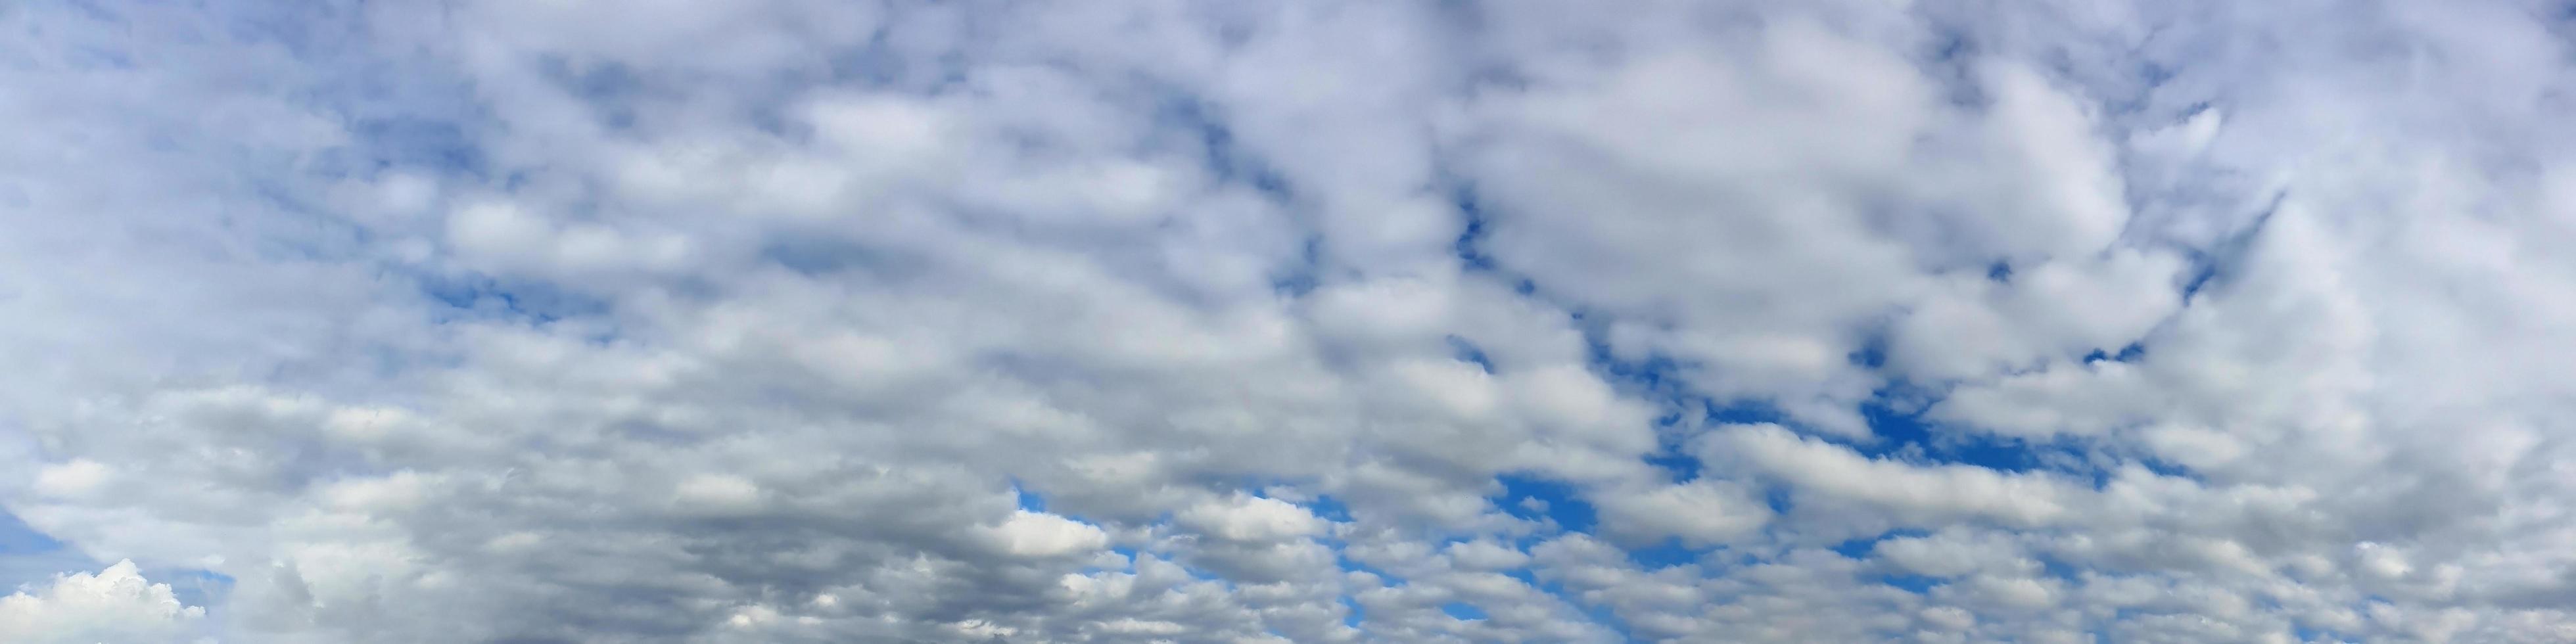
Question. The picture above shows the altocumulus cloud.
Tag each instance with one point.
(1316, 321)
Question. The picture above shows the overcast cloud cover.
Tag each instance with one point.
(1312, 321)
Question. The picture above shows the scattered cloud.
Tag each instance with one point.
(789, 321)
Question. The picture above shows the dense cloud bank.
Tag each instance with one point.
(1318, 321)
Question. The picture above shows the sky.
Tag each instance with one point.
(1437, 321)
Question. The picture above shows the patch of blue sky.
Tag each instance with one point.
(1536, 499)
(1666, 554)
(1035, 501)
(609, 88)
(1654, 377)
(2306, 633)
(1468, 352)
(1305, 275)
(1472, 233)
(1917, 584)
(2210, 267)
(2131, 352)
(192, 586)
(1895, 412)
(412, 142)
(1908, 434)
(877, 65)
(823, 255)
(1469, 246)
(2059, 569)
(1331, 509)
(1463, 611)
(29, 556)
(1860, 548)
(1864, 548)
(16, 537)
(1219, 151)
(1029, 499)
(482, 297)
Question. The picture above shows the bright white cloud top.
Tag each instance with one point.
(1316, 321)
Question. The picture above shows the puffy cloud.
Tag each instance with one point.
(1699, 512)
(1250, 518)
(115, 604)
(786, 321)
(1925, 495)
(1037, 534)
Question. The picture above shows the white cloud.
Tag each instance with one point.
(1699, 512)
(1924, 495)
(73, 478)
(721, 493)
(1038, 534)
(115, 604)
(1485, 555)
(761, 321)
(1250, 518)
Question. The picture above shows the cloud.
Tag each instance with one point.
(787, 321)
(113, 604)
(1700, 512)
(1926, 495)
(1037, 534)
(1250, 518)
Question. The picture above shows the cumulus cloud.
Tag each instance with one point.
(791, 321)
(1038, 534)
(1249, 518)
(1701, 512)
(115, 604)
(1926, 495)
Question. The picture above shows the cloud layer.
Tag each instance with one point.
(1146, 321)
